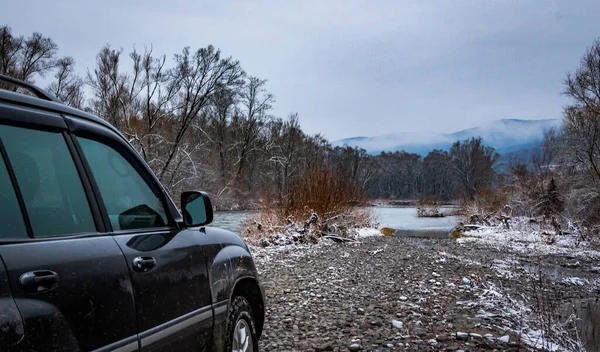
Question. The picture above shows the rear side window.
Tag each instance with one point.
(130, 202)
(11, 219)
(49, 182)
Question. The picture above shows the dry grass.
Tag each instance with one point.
(319, 202)
(322, 192)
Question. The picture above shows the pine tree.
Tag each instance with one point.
(550, 203)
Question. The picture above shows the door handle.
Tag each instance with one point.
(38, 281)
(143, 264)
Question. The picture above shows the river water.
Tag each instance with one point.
(231, 220)
(404, 219)
(407, 223)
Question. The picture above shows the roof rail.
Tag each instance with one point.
(39, 92)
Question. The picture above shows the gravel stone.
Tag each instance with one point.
(317, 299)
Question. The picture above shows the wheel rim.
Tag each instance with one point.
(242, 339)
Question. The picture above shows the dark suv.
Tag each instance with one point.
(95, 256)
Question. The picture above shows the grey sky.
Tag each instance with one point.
(353, 67)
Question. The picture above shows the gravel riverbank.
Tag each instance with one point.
(407, 294)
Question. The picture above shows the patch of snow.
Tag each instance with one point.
(525, 239)
(503, 268)
(535, 339)
(367, 232)
(575, 281)
(504, 339)
(518, 318)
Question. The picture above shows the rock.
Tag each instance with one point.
(403, 298)
(419, 332)
(354, 347)
(397, 324)
(462, 336)
(572, 265)
(504, 339)
(387, 231)
(377, 323)
(324, 347)
(432, 342)
(443, 338)
(451, 348)
(360, 311)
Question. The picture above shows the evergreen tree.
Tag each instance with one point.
(550, 203)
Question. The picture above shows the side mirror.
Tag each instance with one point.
(197, 208)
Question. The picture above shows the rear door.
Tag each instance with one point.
(11, 224)
(168, 271)
(70, 283)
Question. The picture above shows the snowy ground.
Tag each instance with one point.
(504, 290)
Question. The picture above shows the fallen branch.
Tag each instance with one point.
(339, 239)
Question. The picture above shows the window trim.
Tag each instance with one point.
(85, 185)
(16, 240)
(132, 158)
(17, 190)
(88, 188)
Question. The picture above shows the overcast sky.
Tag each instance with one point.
(352, 67)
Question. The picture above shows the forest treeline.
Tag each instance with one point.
(201, 122)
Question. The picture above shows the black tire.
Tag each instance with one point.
(240, 310)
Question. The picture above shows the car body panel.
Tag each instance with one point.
(177, 286)
(93, 292)
(12, 330)
(229, 261)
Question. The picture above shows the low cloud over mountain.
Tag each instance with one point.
(506, 136)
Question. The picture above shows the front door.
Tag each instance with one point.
(167, 265)
(70, 283)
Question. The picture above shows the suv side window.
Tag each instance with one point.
(49, 182)
(11, 219)
(129, 200)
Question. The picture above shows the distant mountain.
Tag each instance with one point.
(506, 136)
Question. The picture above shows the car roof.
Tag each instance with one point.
(54, 105)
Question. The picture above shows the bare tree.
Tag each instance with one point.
(473, 163)
(201, 74)
(23, 58)
(256, 102)
(584, 85)
(67, 86)
(112, 89)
